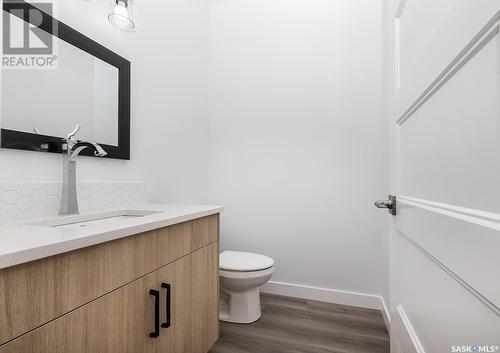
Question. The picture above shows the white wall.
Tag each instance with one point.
(169, 55)
(298, 151)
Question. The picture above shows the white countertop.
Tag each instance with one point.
(22, 242)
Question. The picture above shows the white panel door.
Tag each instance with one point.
(445, 248)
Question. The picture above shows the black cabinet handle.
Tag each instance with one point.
(168, 298)
(156, 295)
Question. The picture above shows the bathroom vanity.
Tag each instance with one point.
(137, 281)
(132, 282)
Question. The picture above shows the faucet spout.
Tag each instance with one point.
(80, 146)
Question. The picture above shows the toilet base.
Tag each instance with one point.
(242, 307)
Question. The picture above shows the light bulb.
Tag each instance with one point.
(121, 9)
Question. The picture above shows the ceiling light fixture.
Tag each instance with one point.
(121, 14)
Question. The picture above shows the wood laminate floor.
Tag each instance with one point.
(290, 325)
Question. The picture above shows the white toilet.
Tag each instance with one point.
(241, 275)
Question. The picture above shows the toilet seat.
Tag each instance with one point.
(246, 274)
(236, 261)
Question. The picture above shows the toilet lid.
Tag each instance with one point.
(244, 261)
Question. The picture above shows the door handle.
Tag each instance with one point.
(168, 299)
(390, 204)
(156, 295)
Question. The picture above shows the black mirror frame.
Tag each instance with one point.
(43, 143)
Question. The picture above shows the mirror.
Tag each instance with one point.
(81, 81)
(90, 86)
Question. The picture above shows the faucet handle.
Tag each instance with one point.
(74, 132)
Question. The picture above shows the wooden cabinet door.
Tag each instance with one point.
(194, 286)
(37, 292)
(117, 322)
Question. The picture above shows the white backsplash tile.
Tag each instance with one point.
(32, 200)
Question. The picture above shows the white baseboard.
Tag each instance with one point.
(385, 313)
(408, 338)
(362, 300)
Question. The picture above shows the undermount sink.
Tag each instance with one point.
(78, 221)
